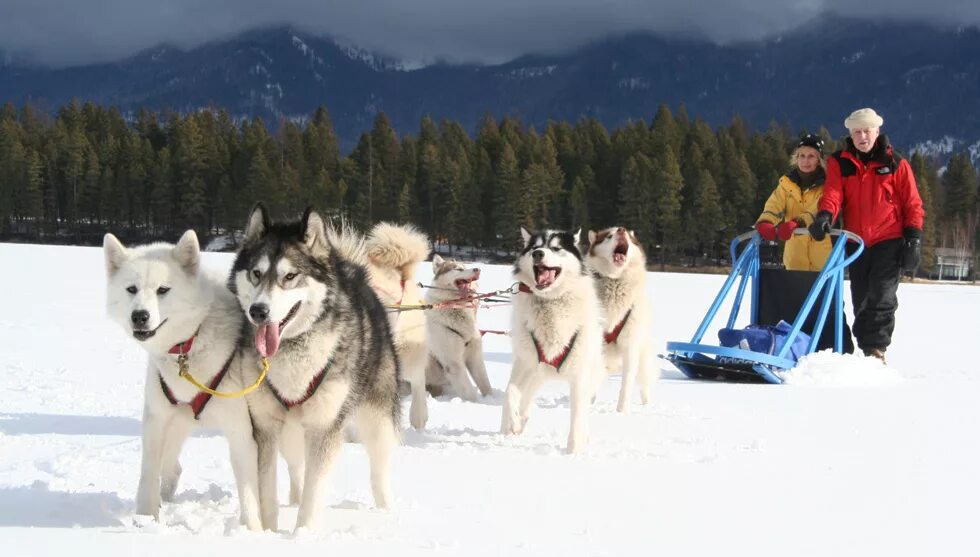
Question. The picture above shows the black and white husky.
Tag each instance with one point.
(556, 331)
(313, 314)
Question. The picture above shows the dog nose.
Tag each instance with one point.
(621, 230)
(476, 274)
(537, 255)
(259, 312)
(140, 317)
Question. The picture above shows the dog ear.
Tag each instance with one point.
(437, 260)
(525, 235)
(314, 229)
(115, 254)
(258, 223)
(577, 236)
(592, 237)
(187, 253)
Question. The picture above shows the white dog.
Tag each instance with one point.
(394, 253)
(556, 331)
(619, 264)
(455, 344)
(159, 296)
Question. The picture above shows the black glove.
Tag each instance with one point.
(820, 226)
(912, 252)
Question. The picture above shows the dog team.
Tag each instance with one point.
(316, 326)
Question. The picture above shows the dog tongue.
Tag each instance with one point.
(545, 277)
(267, 339)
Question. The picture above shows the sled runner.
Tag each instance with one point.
(783, 324)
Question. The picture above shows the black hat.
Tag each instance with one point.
(811, 140)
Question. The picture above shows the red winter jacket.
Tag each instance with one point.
(879, 197)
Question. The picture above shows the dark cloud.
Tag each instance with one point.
(68, 32)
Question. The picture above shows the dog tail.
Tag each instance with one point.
(396, 246)
(348, 242)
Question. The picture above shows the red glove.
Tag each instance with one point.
(785, 230)
(766, 230)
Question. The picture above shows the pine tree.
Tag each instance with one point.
(508, 199)
(668, 192)
(579, 205)
(637, 209)
(923, 179)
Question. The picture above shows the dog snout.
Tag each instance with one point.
(259, 312)
(140, 318)
(537, 255)
(476, 274)
(621, 230)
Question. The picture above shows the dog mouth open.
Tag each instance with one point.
(545, 276)
(144, 334)
(267, 335)
(619, 254)
(465, 286)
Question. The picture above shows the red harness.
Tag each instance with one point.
(559, 358)
(310, 389)
(613, 335)
(202, 398)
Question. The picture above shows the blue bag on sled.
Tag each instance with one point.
(766, 339)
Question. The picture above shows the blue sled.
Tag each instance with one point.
(704, 361)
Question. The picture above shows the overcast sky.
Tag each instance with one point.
(69, 32)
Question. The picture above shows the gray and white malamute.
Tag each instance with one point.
(159, 295)
(313, 314)
(619, 263)
(455, 344)
(556, 331)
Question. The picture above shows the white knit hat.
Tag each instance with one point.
(863, 118)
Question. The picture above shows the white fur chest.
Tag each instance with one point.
(298, 363)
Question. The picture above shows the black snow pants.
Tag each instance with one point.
(874, 292)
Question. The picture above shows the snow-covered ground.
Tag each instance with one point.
(850, 458)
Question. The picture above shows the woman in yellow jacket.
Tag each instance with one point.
(793, 204)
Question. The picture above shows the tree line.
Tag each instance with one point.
(685, 188)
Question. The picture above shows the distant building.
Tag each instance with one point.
(953, 264)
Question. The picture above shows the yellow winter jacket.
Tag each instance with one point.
(788, 202)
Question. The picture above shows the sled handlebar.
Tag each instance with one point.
(798, 232)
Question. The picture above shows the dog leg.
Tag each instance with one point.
(578, 433)
(154, 436)
(244, 463)
(631, 365)
(176, 434)
(645, 376)
(293, 450)
(478, 370)
(267, 440)
(460, 379)
(418, 415)
(530, 388)
(322, 447)
(510, 422)
(379, 437)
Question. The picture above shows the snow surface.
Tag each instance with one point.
(848, 458)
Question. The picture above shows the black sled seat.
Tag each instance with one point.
(801, 300)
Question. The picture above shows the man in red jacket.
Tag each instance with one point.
(875, 189)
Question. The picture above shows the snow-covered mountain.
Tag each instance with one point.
(925, 81)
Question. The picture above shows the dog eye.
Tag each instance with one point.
(290, 276)
(257, 273)
(132, 289)
(163, 290)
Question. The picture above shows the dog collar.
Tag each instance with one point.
(521, 287)
(182, 348)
